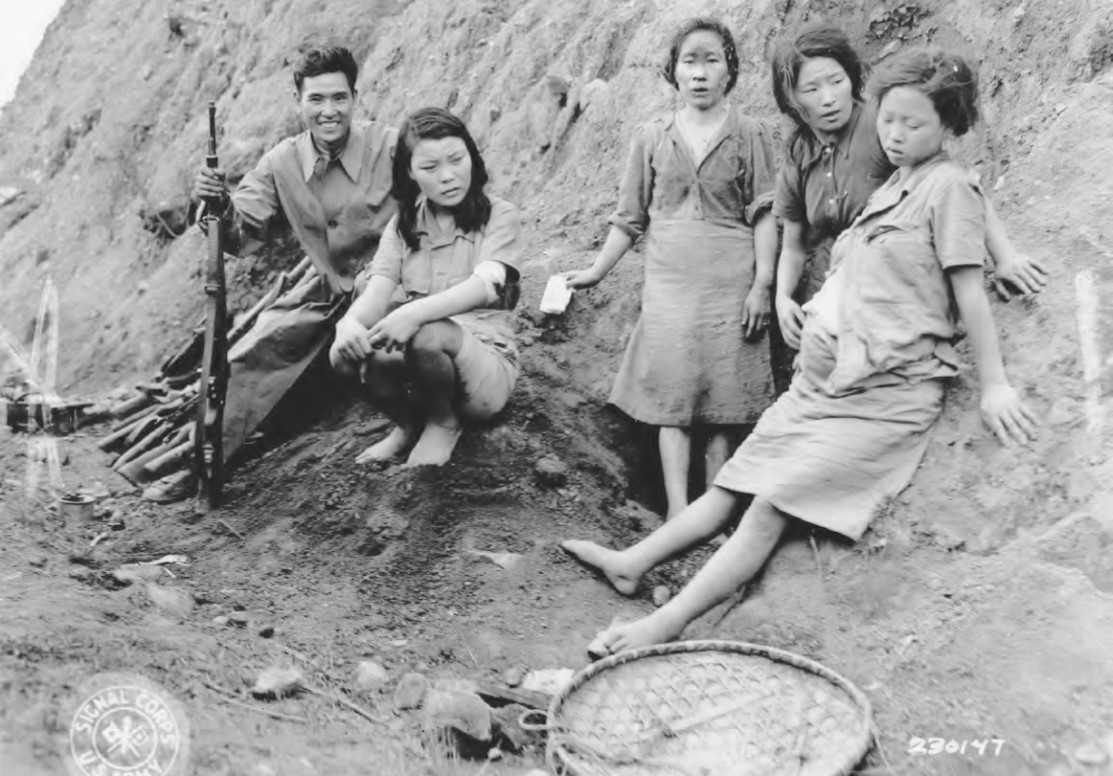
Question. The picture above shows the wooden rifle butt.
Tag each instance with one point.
(135, 470)
(170, 460)
(151, 438)
(129, 406)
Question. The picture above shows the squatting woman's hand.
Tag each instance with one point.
(1009, 418)
(352, 341)
(755, 311)
(791, 318)
(394, 331)
(582, 278)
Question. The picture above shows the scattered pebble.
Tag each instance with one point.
(266, 631)
(220, 619)
(661, 595)
(170, 599)
(1091, 753)
(514, 676)
(370, 676)
(551, 471)
(37, 561)
(410, 691)
(549, 681)
(506, 560)
(463, 711)
(238, 618)
(133, 572)
(278, 681)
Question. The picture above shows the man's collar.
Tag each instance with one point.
(350, 159)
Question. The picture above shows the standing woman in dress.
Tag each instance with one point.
(698, 186)
(833, 162)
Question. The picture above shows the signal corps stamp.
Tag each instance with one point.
(126, 725)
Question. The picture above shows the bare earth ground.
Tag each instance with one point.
(960, 621)
(979, 607)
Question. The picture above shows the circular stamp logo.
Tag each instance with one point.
(126, 725)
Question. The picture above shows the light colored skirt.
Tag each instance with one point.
(835, 460)
(687, 362)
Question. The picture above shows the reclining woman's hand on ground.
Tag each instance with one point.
(1008, 416)
(1019, 273)
(394, 331)
(353, 341)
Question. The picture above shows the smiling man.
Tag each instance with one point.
(329, 185)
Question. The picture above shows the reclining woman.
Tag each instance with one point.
(876, 351)
(447, 353)
(834, 161)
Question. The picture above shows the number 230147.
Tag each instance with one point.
(980, 747)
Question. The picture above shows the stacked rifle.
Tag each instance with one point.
(155, 428)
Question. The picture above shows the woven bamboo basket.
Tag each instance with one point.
(707, 708)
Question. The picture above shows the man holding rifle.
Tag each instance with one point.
(330, 185)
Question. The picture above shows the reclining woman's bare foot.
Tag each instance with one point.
(614, 566)
(435, 446)
(649, 630)
(388, 447)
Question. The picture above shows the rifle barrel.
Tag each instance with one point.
(210, 160)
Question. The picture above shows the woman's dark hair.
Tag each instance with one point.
(326, 59)
(942, 76)
(695, 25)
(474, 211)
(815, 40)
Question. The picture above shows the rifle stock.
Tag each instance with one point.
(208, 447)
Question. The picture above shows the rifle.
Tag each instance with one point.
(208, 441)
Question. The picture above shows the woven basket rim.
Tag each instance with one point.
(850, 756)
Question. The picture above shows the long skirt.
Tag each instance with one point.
(835, 460)
(266, 363)
(687, 362)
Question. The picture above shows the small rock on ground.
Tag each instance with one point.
(170, 599)
(410, 692)
(463, 711)
(514, 676)
(1090, 753)
(551, 471)
(278, 681)
(370, 676)
(661, 595)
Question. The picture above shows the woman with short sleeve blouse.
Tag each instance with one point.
(834, 162)
(698, 186)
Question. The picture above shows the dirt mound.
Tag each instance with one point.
(978, 608)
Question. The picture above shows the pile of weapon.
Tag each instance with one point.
(178, 419)
(155, 430)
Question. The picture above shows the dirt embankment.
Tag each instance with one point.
(978, 608)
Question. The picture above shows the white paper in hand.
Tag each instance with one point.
(556, 297)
